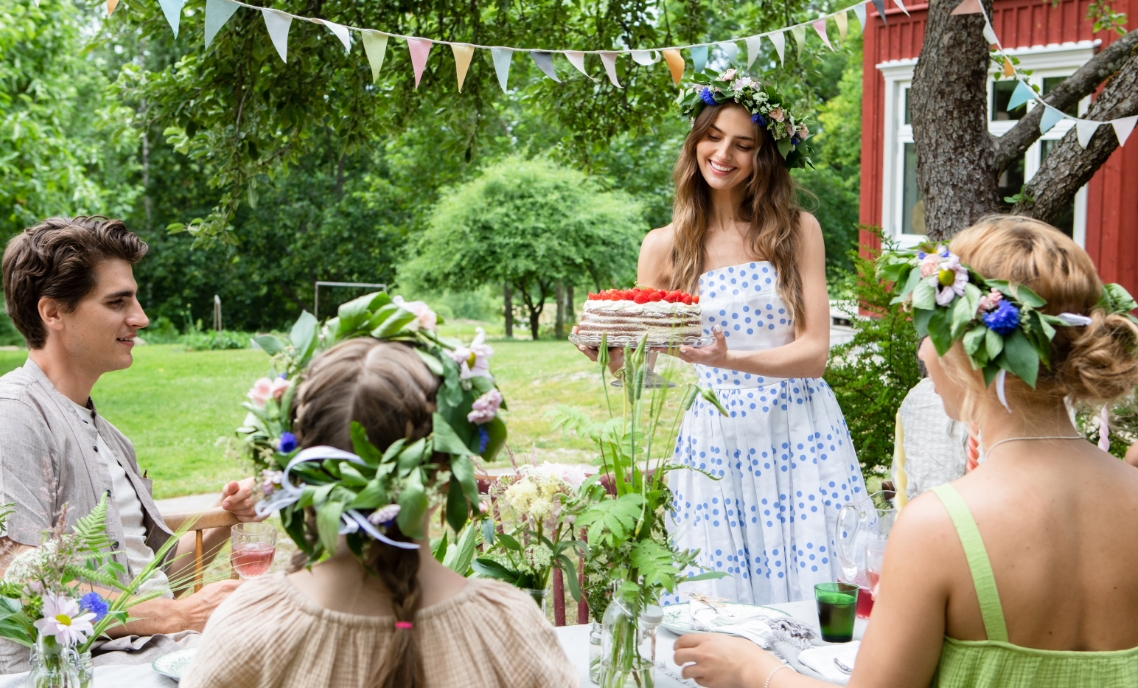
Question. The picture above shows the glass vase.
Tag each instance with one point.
(59, 666)
(628, 645)
(595, 634)
(538, 596)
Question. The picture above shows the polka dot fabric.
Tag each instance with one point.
(773, 473)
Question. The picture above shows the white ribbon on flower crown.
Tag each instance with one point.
(1071, 319)
(351, 520)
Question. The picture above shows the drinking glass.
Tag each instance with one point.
(874, 557)
(252, 548)
(837, 605)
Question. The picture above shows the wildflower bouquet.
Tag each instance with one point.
(538, 534)
(42, 602)
(625, 527)
(363, 493)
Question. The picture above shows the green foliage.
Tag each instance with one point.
(211, 340)
(528, 224)
(872, 373)
(9, 335)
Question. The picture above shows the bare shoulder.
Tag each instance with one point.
(923, 527)
(811, 230)
(657, 244)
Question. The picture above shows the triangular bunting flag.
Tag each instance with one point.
(843, 21)
(462, 55)
(419, 48)
(375, 45)
(698, 57)
(1050, 118)
(989, 34)
(577, 59)
(754, 46)
(675, 64)
(111, 5)
(730, 50)
(902, 6)
(1085, 129)
(1009, 68)
(645, 57)
(608, 59)
(1123, 127)
(544, 62)
(778, 40)
(341, 32)
(1020, 95)
(968, 7)
(502, 57)
(880, 5)
(173, 11)
(820, 27)
(799, 33)
(217, 12)
(277, 23)
(859, 10)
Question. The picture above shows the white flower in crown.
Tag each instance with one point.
(728, 75)
(425, 318)
(473, 360)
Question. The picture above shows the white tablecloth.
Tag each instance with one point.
(575, 642)
(574, 639)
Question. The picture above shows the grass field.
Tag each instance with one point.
(180, 408)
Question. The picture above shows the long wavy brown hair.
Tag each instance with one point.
(770, 206)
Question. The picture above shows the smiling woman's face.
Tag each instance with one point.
(726, 152)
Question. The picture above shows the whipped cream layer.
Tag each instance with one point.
(663, 322)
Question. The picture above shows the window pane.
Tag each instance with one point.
(1050, 82)
(912, 207)
(905, 97)
(1066, 222)
(1001, 94)
(1010, 183)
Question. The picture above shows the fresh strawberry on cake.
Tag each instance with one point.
(669, 318)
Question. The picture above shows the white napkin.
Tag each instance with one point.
(821, 659)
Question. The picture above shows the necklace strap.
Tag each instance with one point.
(988, 450)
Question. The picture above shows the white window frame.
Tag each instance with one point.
(1043, 61)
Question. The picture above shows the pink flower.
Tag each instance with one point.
(270, 481)
(483, 506)
(803, 132)
(789, 129)
(262, 391)
(485, 407)
(990, 300)
(777, 114)
(929, 264)
(277, 389)
(425, 318)
(61, 618)
(383, 515)
(473, 360)
(728, 75)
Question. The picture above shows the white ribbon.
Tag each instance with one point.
(1000, 378)
(289, 494)
(1104, 429)
(1074, 319)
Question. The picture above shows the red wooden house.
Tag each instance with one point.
(1052, 42)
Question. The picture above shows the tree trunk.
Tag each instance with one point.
(956, 170)
(570, 310)
(508, 309)
(559, 321)
(534, 325)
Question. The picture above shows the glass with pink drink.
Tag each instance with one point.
(252, 548)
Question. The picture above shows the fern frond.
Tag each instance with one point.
(91, 530)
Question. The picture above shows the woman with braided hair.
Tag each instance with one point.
(388, 617)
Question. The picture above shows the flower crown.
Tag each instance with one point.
(1000, 323)
(768, 108)
(366, 492)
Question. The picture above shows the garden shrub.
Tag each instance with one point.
(211, 340)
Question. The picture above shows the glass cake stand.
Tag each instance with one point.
(619, 341)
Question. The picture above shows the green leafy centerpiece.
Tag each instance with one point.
(624, 520)
(44, 607)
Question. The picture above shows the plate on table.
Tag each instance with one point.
(618, 340)
(677, 617)
(175, 663)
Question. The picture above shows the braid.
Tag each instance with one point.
(402, 667)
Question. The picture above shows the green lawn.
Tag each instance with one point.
(180, 408)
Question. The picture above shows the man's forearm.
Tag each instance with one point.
(151, 618)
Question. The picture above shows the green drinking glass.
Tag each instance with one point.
(837, 608)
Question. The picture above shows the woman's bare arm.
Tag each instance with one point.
(806, 355)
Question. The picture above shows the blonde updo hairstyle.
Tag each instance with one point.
(1093, 364)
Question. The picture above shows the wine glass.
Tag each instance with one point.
(874, 557)
(253, 546)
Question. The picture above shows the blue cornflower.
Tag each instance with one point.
(288, 442)
(284, 376)
(483, 438)
(93, 602)
(921, 255)
(757, 118)
(794, 141)
(707, 96)
(1004, 319)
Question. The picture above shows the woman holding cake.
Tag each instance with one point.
(783, 457)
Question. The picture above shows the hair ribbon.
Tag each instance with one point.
(1071, 319)
(351, 520)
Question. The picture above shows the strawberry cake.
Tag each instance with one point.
(669, 318)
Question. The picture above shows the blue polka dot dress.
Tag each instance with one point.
(782, 456)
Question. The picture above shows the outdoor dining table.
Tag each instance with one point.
(574, 640)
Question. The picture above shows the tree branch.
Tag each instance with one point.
(1074, 88)
(1069, 167)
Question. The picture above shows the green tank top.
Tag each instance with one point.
(995, 661)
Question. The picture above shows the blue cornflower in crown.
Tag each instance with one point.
(769, 109)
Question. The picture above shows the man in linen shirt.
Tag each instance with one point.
(69, 288)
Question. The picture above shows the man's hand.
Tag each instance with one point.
(195, 609)
(239, 499)
(722, 661)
